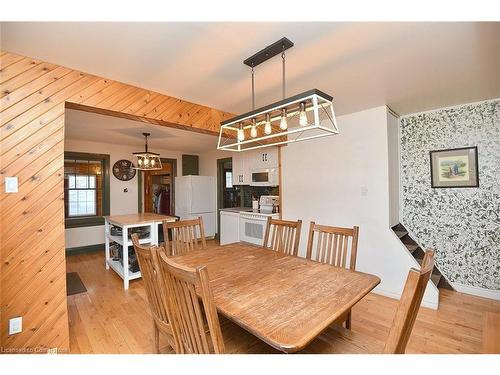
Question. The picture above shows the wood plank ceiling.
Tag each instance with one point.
(33, 98)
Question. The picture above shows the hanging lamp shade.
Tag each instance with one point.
(309, 115)
(146, 161)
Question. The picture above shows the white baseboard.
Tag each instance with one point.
(477, 291)
(426, 303)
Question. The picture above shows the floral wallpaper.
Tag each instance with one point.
(462, 224)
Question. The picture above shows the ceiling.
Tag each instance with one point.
(93, 127)
(409, 66)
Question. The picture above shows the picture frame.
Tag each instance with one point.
(454, 168)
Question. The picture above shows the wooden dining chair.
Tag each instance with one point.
(337, 339)
(184, 236)
(283, 236)
(195, 323)
(190, 312)
(148, 257)
(334, 246)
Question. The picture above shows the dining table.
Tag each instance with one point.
(284, 300)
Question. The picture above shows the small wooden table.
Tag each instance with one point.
(286, 301)
(127, 222)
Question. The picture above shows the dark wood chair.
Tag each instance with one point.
(283, 236)
(337, 339)
(335, 246)
(148, 258)
(184, 236)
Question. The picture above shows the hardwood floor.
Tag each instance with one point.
(108, 319)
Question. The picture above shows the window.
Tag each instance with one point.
(86, 189)
(229, 179)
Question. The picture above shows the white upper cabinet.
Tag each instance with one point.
(246, 162)
(241, 170)
(265, 158)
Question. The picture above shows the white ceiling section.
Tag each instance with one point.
(93, 127)
(411, 67)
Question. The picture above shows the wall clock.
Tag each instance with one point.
(123, 170)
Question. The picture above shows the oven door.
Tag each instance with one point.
(252, 228)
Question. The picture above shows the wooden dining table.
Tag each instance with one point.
(286, 301)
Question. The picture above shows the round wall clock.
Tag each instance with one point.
(123, 170)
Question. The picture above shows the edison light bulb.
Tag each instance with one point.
(139, 161)
(146, 161)
(253, 130)
(152, 162)
(302, 115)
(241, 133)
(284, 120)
(267, 127)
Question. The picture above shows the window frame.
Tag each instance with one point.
(90, 221)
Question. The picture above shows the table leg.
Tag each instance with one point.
(125, 257)
(154, 234)
(106, 243)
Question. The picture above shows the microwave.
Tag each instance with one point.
(264, 177)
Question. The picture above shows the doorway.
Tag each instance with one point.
(227, 194)
(157, 189)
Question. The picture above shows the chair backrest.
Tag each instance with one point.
(188, 312)
(409, 304)
(184, 236)
(283, 236)
(149, 264)
(334, 245)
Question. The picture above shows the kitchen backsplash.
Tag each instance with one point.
(247, 191)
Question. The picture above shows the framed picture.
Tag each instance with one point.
(454, 168)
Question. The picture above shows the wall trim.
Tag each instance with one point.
(425, 303)
(449, 107)
(84, 249)
(477, 291)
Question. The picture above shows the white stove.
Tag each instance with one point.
(253, 222)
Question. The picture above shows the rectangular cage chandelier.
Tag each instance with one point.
(305, 116)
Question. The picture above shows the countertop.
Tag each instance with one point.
(134, 219)
(247, 209)
(237, 209)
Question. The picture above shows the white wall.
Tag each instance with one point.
(120, 202)
(343, 180)
(393, 149)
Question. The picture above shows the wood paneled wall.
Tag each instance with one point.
(33, 98)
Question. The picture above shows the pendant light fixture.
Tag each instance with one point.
(146, 161)
(285, 121)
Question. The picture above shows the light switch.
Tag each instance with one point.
(15, 325)
(11, 185)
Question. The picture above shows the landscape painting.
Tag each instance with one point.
(454, 167)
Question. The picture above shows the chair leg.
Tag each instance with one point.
(157, 338)
(348, 320)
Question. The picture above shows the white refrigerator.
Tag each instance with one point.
(195, 196)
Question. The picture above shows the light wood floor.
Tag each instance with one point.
(108, 319)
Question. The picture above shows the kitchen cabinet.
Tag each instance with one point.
(241, 171)
(246, 162)
(229, 227)
(265, 158)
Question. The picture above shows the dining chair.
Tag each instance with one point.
(184, 236)
(195, 323)
(190, 312)
(148, 257)
(282, 236)
(334, 246)
(337, 339)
